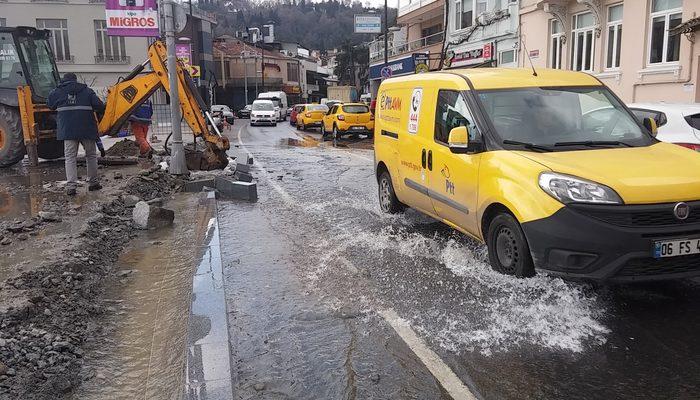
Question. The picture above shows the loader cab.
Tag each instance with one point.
(26, 59)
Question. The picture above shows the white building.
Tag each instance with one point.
(482, 32)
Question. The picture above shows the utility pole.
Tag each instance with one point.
(386, 32)
(262, 67)
(178, 165)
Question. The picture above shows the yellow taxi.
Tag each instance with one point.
(551, 170)
(348, 119)
(311, 116)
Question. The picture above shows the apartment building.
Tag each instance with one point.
(482, 33)
(81, 44)
(414, 45)
(645, 50)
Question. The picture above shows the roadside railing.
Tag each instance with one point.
(377, 48)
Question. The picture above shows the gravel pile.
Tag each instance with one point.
(40, 341)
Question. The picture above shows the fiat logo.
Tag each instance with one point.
(681, 211)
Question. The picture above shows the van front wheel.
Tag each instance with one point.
(509, 252)
(388, 201)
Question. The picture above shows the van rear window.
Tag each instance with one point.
(356, 109)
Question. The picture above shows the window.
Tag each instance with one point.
(3, 22)
(293, 72)
(452, 111)
(10, 67)
(583, 42)
(59, 37)
(466, 11)
(506, 58)
(612, 59)
(109, 48)
(556, 44)
(431, 34)
(664, 47)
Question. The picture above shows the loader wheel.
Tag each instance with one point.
(12, 148)
(50, 149)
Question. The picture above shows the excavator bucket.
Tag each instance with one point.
(209, 159)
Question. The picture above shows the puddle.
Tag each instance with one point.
(144, 356)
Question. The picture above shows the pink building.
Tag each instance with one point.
(645, 50)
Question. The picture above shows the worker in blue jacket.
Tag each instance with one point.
(76, 105)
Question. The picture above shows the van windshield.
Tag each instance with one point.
(559, 118)
(263, 107)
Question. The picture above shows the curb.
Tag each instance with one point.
(208, 364)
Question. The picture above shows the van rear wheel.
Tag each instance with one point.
(388, 201)
(509, 252)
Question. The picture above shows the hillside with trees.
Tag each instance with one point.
(316, 25)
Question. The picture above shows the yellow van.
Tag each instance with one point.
(551, 171)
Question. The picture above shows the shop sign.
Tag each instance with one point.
(132, 18)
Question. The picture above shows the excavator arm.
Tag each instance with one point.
(129, 93)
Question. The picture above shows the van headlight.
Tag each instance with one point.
(570, 189)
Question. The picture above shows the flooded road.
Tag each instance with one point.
(312, 268)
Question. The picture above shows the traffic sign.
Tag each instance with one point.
(386, 72)
(195, 71)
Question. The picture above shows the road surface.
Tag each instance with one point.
(329, 298)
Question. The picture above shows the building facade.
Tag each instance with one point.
(633, 46)
(482, 33)
(81, 45)
(414, 45)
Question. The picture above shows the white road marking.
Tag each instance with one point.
(447, 378)
(437, 367)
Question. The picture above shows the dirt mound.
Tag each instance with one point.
(41, 342)
(125, 148)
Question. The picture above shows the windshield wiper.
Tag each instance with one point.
(530, 146)
(593, 143)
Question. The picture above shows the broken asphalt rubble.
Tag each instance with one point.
(56, 307)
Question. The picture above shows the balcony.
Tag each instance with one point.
(412, 6)
(101, 59)
(376, 49)
(64, 59)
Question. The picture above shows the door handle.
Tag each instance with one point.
(422, 158)
(430, 160)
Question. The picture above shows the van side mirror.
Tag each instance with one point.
(650, 124)
(458, 140)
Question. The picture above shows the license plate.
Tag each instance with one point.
(673, 248)
(358, 128)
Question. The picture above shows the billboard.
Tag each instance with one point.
(132, 18)
(368, 23)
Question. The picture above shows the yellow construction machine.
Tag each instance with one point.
(28, 73)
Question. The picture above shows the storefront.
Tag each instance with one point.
(402, 66)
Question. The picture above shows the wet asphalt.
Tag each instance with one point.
(310, 266)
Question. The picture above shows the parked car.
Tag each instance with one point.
(295, 111)
(348, 118)
(244, 112)
(516, 160)
(678, 123)
(263, 112)
(311, 116)
(225, 111)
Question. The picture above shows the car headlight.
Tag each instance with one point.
(570, 189)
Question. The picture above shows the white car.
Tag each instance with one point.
(677, 123)
(263, 112)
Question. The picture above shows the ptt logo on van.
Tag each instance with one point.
(390, 103)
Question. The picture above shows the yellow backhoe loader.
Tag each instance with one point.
(28, 73)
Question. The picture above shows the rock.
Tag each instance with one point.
(22, 236)
(11, 372)
(47, 312)
(146, 216)
(375, 378)
(259, 387)
(16, 228)
(3, 342)
(49, 216)
(125, 272)
(72, 212)
(3, 368)
(130, 200)
(117, 175)
(158, 202)
(5, 241)
(242, 167)
(228, 189)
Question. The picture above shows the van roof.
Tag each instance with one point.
(505, 78)
(262, 101)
